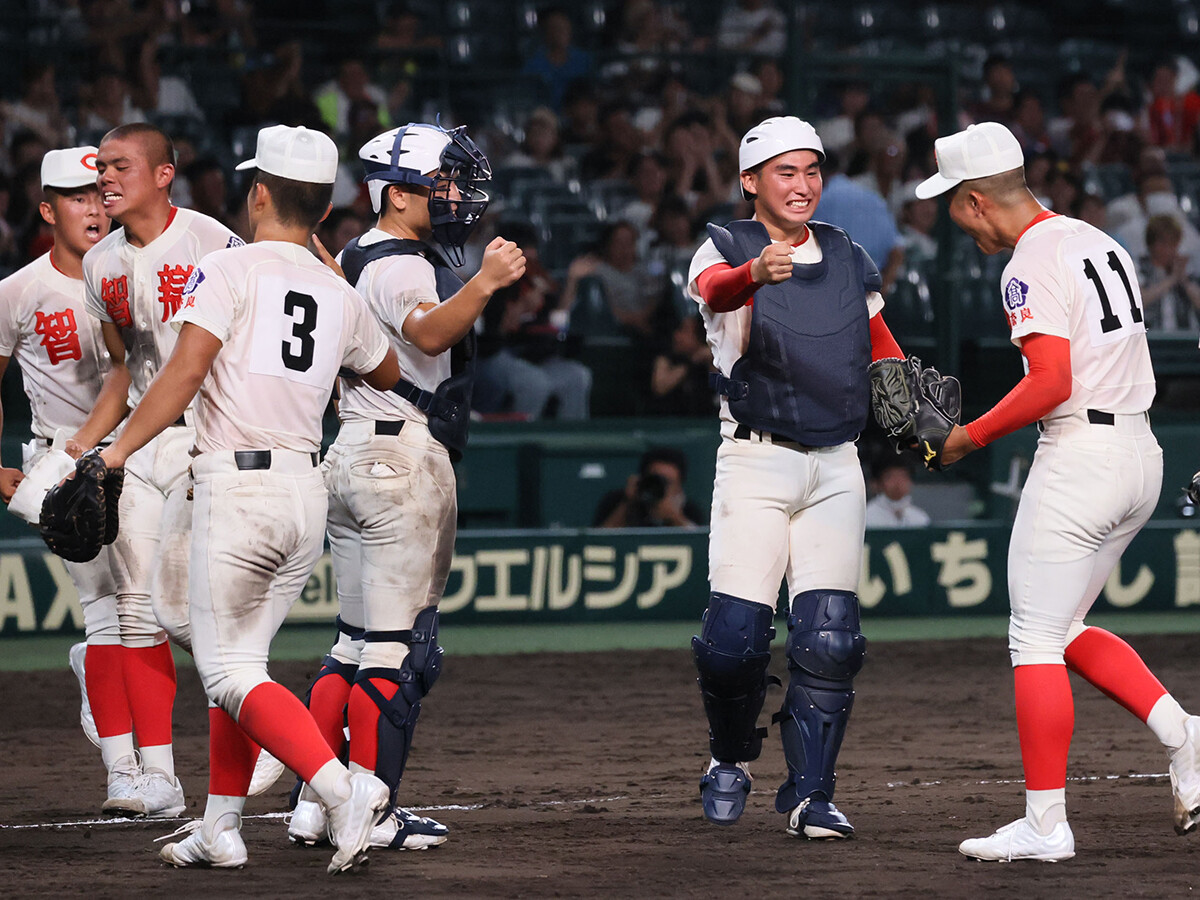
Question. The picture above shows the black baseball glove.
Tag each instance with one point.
(1193, 489)
(917, 407)
(76, 519)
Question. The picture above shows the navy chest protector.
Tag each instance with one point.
(447, 407)
(804, 373)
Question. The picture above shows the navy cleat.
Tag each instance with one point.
(404, 830)
(723, 792)
(817, 820)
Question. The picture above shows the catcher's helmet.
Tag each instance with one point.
(773, 136)
(437, 158)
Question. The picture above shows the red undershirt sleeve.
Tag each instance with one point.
(725, 288)
(883, 345)
(1047, 384)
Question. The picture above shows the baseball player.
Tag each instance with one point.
(393, 506)
(792, 311)
(1075, 312)
(62, 358)
(134, 282)
(263, 331)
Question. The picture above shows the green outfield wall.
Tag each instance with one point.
(570, 576)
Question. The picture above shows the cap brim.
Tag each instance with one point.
(935, 185)
(248, 164)
(67, 184)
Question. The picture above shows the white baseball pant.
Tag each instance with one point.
(256, 537)
(782, 509)
(393, 513)
(1090, 490)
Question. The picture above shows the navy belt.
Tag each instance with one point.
(1096, 417)
(261, 459)
(392, 428)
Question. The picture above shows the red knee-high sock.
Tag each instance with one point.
(275, 718)
(327, 703)
(1115, 668)
(1045, 721)
(150, 689)
(364, 723)
(231, 756)
(105, 675)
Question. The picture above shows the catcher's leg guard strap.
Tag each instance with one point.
(825, 651)
(414, 679)
(732, 654)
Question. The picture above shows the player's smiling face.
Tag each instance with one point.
(127, 179)
(788, 188)
(79, 219)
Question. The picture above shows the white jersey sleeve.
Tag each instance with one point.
(366, 344)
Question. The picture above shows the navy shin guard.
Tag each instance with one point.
(825, 651)
(732, 654)
(416, 675)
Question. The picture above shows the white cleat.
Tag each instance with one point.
(267, 771)
(308, 824)
(76, 657)
(121, 780)
(225, 851)
(352, 820)
(1020, 840)
(1185, 778)
(152, 795)
(404, 830)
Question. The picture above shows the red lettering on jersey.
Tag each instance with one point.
(171, 282)
(1026, 313)
(115, 294)
(1012, 320)
(60, 335)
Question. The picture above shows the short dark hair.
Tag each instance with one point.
(670, 455)
(296, 202)
(157, 144)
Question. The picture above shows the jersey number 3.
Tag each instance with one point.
(298, 350)
(1109, 320)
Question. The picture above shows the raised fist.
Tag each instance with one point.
(774, 264)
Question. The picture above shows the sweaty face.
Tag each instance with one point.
(788, 188)
(127, 179)
(79, 219)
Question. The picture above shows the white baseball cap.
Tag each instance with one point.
(982, 150)
(778, 134)
(74, 167)
(297, 154)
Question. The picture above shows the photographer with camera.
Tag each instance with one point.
(654, 497)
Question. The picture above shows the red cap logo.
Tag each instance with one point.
(88, 161)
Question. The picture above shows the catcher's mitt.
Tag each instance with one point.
(75, 518)
(916, 407)
(1193, 489)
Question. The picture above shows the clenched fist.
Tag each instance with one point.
(503, 263)
(774, 264)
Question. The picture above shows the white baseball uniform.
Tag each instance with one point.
(63, 362)
(393, 504)
(1097, 473)
(286, 324)
(761, 535)
(139, 289)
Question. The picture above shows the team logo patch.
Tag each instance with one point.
(193, 281)
(235, 241)
(1015, 293)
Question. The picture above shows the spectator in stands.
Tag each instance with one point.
(1174, 109)
(998, 100)
(885, 173)
(864, 215)
(674, 239)
(209, 190)
(580, 115)
(275, 92)
(106, 102)
(1170, 296)
(9, 259)
(1091, 208)
(631, 293)
(837, 133)
(352, 85)
(693, 171)
(1155, 196)
(339, 227)
(521, 367)
(648, 177)
(615, 144)
(162, 95)
(402, 31)
(1029, 122)
(556, 62)
(742, 105)
(918, 218)
(752, 26)
(1077, 129)
(1062, 189)
(654, 497)
(649, 27)
(679, 376)
(221, 24)
(770, 80)
(542, 147)
(892, 505)
(37, 110)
